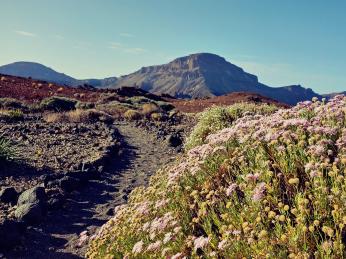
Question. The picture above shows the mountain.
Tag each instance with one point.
(41, 72)
(207, 75)
(195, 76)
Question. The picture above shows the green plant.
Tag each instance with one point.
(58, 103)
(7, 151)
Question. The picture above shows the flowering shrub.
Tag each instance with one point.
(217, 118)
(268, 186)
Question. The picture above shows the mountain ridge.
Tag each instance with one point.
(207, 75)
(193, 76)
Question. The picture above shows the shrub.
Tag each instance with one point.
(115, 109)
(11, 115)
(132, 115)
(85, 105)
(7, 151)
(79, 116)
(165, 106)
(217, 118)
(268, 186)
(10, 103)
(156, 116)
(138, 100)
(149, 108)
(57, 103)
(54, 117)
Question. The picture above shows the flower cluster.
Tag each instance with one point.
(265, 185)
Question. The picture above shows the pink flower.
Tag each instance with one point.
(138, 247)
(222, 244)
(177, 256)
(252, 177)
(201, 242)
(83, 238)
(231, 189)
(167, 238)
(259, 192)
(154, 246)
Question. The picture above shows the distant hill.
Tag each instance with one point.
(207, 75)
(41, 72)
(194, 76)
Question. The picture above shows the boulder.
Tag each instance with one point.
(34, 195)
(8, 195)
(29, 213)
(10, 233)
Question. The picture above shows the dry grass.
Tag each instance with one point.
(149, 108)
(78, 116)
(132, 115)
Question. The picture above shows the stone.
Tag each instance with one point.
(29, 213)
(8, 195)
(34, 195)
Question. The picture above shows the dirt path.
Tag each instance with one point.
(57, 237)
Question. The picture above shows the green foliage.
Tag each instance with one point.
(58, 103)
(217, 118)
(7, 151)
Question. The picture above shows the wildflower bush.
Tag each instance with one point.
(217, 118)
(268, 186)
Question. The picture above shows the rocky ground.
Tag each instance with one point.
(143, 149)
(48, 149)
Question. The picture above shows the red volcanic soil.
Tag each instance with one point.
(198, 105)
(29, 90)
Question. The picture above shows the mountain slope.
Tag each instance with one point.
(41, 72)
(207, 75)
(36, 71)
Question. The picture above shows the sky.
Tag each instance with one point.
(282, 42)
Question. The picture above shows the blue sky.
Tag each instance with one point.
(282, 42)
